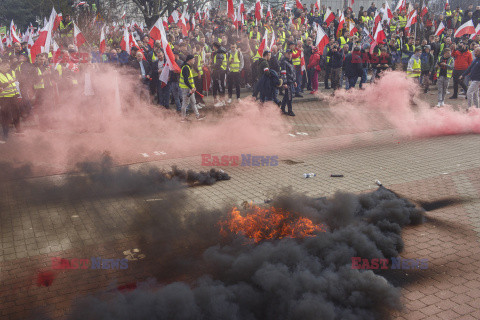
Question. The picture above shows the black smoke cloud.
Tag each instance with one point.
(307, 278)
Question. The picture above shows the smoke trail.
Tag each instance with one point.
(290, 278)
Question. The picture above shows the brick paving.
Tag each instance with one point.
(424, 170)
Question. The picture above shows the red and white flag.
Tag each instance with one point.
(302, 63)
(155, 33)
(353, 29)
(299, 5)
(389, 15)
(272, 42)
(322, 39)
(169, 57)
(124, 15)
(174, 17)
(258, 10)
(477, 31)
(13, 33)
(440, 29)
(379, 34)
(242, 7)
(230, 10)
(263, 45)
(410, 22)
(2, 48)
(377, 18)
(328, 17)
(466, 28)
(125, 43)
(341, 23)
(447, 4)
(78, 36)
(350, 4)
(51, 24)
(183, 24)
(269, 12)
(424, 10)
(133, 42)
(401, 5)
(165, 23)
(39, 44)
(317, 5)
(103, 43)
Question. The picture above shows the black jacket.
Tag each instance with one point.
(336, 59)
(288, 71)
(146, 66)
(352, 65)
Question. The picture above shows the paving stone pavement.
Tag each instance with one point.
(424, 170)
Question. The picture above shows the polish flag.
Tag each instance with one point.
(299, 5)
(447, 4)
(133, 42)
(165, 23)
(155, 31)
(317, 5)
(51, 23)
(350, 4)
(230, 10)
(183, 24)
(242, 7)
(174, 17)
(103, 43)
(125, 43)
(440, 29)
(272, 43)
(341, 22)
(377, 18)
(269, 12)
(302, 62)
(401, 5)
(13, 33)
(424, 10)
(466, 28)
(170, 58)
(379, 34)
(477, 31)
(78, 36)
(411, 22)
(263, 44)
(284, 6)
(353, 29)
(58, 19)
(328, 17)
(258, 10)
(2, 48)
(321, 40)
(39, 44)
(389, 14)
(124, 15)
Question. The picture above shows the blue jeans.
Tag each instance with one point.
(174, 89)
(364, 76)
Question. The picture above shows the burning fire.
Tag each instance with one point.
(269, 223)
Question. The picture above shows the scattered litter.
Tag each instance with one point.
(145, 155)
(75, 216)
(159, 153)
(155, 199)
(291, 135)
(378, 183)
(309, 175)
(133, 254)
(336, 175)
(302, 133)
(445, 173)
(291, 162)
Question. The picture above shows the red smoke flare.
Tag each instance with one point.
(269, 223)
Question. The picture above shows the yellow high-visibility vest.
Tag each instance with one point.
(11, 89)
(234, 63)
(417, 66)
(190, 78)
(296, 61)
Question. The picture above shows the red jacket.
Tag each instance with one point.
(462, 59)
(314, 62)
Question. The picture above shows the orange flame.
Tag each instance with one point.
(269, 223)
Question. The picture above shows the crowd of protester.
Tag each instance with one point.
(217, 57)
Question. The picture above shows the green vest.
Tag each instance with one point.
(417, 66)
(10, 90)
(296, 61)
(234, 63)
(224, 62)
(449, 71)
(190, 78)
(40, 84)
